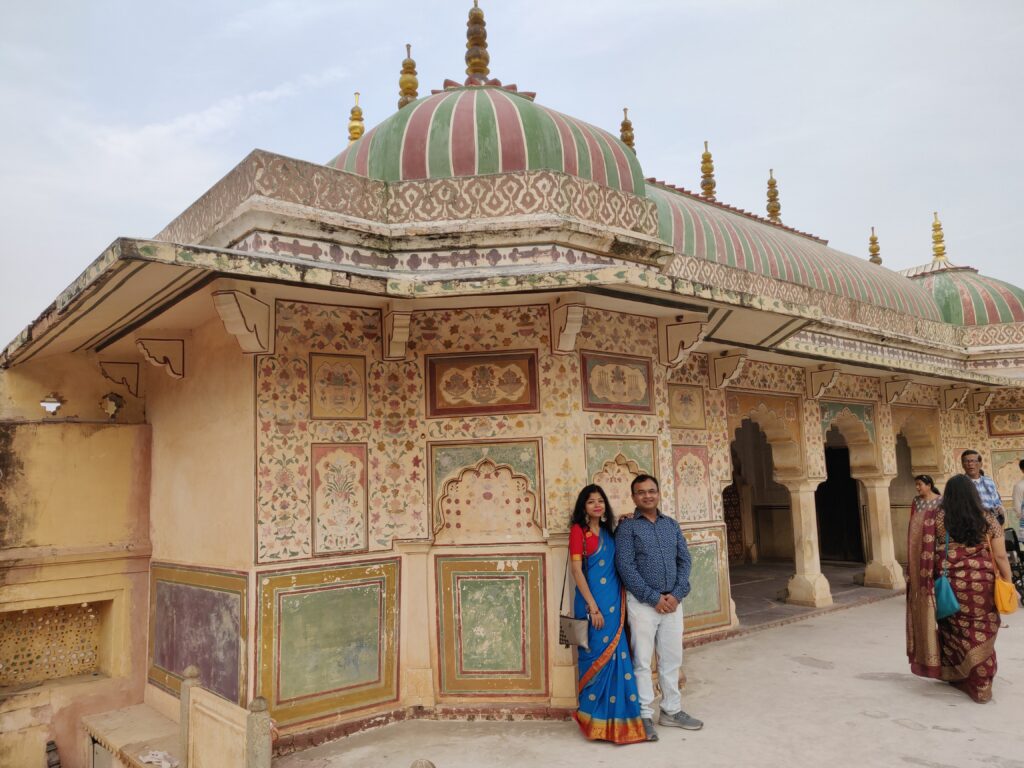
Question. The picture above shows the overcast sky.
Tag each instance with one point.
(117, 115)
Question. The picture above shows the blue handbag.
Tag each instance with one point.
(945, 601)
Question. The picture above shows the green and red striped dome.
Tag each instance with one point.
(476, 130)
(966, 298)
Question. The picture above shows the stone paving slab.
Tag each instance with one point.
(832, 690)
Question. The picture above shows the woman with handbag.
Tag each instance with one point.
(960, 540)
(609, 708)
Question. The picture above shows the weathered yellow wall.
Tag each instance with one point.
(74, 529)
(202, 489)
(77, 379)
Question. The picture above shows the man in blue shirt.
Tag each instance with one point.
(653, 562)
(970, 460)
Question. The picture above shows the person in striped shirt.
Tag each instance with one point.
(970, 460)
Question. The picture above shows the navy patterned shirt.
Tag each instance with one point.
(652, 558)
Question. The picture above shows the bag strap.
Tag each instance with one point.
(945, 555)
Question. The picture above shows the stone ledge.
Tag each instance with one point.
(133, 731)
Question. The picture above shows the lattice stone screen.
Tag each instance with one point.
(48, 643)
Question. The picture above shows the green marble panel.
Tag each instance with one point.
(863, 414)
(330, 639)
(491, 623)
(601, 450)
(705, 587)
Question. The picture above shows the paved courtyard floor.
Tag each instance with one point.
(831, 690)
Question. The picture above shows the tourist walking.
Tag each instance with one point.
(654, 564)
(970, 460)
(609, 706)
(962, 539)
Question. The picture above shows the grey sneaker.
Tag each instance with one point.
(652, 735)
(680, 720)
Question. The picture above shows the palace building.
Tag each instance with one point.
(321, 436)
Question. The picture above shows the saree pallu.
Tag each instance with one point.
(959, 649)
(609, 707)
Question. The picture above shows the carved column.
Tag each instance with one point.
(417, 624)
(882, 570)
(746, 494)
(808, 586)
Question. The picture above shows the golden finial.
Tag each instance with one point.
(938, 240)
(707, 178)
(626, 130)
(873, 248)
(477, 57)
(355, 121)
(774, 207)
(407, 81)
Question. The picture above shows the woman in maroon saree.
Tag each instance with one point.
(961, 648)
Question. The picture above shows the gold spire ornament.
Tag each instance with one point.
(477, 57)
(774, 206)
(408, 83)
(626, 130)
(938, 240)
(355, 121)
(873, 248)
(707, 177)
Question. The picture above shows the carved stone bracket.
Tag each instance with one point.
(246, 318)
(168, 354)
(567, 313)
(679, 336)
(397, 321)
(821, 379)
(122, 374)
(725, 368)
(979, 400)
(893, 388)
(954, 397)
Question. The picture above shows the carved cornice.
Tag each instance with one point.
(246, 318)
(821, 379)
(168, 354)
(122, 374)
(725, 368)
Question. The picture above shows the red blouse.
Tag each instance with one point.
(577, 535)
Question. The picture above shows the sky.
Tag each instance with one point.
(118, 115)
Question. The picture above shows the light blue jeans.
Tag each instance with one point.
(651, 631)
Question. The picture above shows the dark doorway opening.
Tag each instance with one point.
(838, 507)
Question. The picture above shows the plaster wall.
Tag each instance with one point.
(202, 487)
(74, 513)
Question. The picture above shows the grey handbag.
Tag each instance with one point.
(571, 631)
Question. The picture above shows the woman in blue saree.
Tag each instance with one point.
(609, 708)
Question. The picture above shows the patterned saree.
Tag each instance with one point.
(609, 707)
(959, 649)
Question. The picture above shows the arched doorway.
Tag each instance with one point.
(838, 505)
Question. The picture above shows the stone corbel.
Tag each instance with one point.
(979, 400)
(122, 374)
(725, 368)
(893, 388)
(246, 318)
(821, 379)
(168, 354)
(397, 321)
(954, 397)
(679, 336)
(566, 321)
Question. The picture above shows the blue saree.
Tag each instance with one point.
(609, 707)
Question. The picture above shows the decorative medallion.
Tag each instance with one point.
(481, 384)
(686, 407)
(617, 383)
(337, 386)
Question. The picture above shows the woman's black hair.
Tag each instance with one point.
(965, 517)
(579, 512)
(927, 480)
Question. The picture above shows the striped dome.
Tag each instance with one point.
(966, 298)
(694, 227)
(476, 130)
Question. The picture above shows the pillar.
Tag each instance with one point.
(563, 666)
(259, 746)
(416, 602)
(808, 586)
(190, 678)
(746, 494)
(882, 569)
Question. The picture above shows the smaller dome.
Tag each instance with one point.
(965, 297)
(477, 130)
